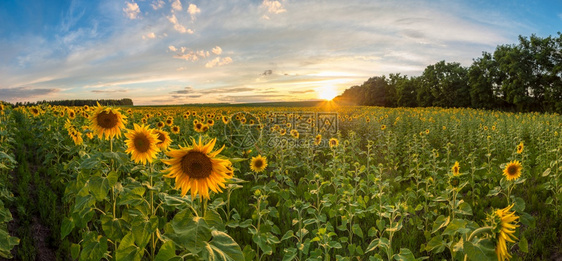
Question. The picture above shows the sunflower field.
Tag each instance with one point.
(279, 183)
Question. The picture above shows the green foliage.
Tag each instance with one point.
(518, 77)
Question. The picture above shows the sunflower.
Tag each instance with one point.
(169, 121)
(225, 120)
(141, 144)
(34, 111)
(164, 140)
(383, 127)
(210, 122)
(258, 163)
(107, 121)
(504, 224)
(88, 132)
(71, 114)
(334, 142)
(317, 139)
(520, 148)
(197, 168)
(175, 129)
(73, 132)
(456, 169)
(295, 133)
(198, 127)
(76, 137)
(160, 125)
(512, 170)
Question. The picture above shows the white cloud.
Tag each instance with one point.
(187, 54)
(217, 50)
(176, 5)
(157, 4)
(218, 61)
(177, 26)
(193, 10)
(274, 7)
(131, 10)
(149, 36)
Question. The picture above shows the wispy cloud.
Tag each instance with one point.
(305, 91)
(227, 90)
(150, 35)
(108, 91)
(228, 48)
(176, 5)
(218, 61)
(185, 90)
(177, 26)
(217, 50)
(274, 7)
(131, 10)
(192, 10)
(157, 4)
(25, 92)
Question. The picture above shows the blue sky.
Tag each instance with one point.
(178, 51)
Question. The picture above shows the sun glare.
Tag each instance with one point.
(327, 93)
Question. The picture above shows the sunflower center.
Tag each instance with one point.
(142, 144)
(107, 120)
(196, 165)
(258, 163)
(161, 138)
(512, 170)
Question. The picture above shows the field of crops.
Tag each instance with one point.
(277, 183)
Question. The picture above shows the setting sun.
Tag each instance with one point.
(327, 93)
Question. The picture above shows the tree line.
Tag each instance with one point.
(109, 102)
(517, 77)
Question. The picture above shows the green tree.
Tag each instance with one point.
(447, 84)
(482, 78)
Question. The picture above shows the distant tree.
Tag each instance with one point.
(521, 77)
(445, 85)
(482, 78)
(405, 90)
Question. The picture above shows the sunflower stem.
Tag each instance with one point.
(152, 250)
(475, 233)
(205, 206)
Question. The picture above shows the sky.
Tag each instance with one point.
(178, 51)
